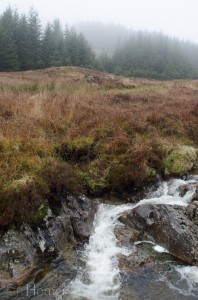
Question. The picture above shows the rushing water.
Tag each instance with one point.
(186, 282)
(99, 278)
(93, 273)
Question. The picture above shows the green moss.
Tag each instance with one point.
(82, 142)
(180, 160)
(39, 215)
(95, 184)
(2, 146)
(150, 172)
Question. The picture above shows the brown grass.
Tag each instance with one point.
(114, 131)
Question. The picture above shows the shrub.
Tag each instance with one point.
(77, 150)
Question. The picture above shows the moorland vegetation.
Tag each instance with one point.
(69, 129)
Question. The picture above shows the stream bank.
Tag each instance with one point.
(151, 243)
(23, 249)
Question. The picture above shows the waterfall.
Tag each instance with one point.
(100, 279)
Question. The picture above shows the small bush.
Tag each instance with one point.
(77, 150)
(60, 176)
(20, 202)
(121, 98)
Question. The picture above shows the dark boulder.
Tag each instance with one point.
(192, 211)
(168, 226)
(183, 189)
(73, 224)
(19, 248)
(17, 258)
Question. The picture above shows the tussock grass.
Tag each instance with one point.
(112, 133)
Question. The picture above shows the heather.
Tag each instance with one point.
(75, 130)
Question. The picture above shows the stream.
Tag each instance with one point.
(92, 271)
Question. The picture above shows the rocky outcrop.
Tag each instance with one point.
(192, 208)
(73, 224)
(17, 258)
(166, 225)
(19, 248)
(192, 212)
(183, 189)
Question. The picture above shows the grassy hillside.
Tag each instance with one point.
(81, 130)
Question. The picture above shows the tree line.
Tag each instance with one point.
(153, 55)
(141, 54)
(25, 44)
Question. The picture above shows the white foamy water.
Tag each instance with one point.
(188, 273)
(100, 278)
(168, 193)
(186, 282)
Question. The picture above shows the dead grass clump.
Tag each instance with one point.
(136, 165)
(6, 114)
(119, 98)
(59, 177)
(21, 200)
(77, 150)
(112, 137)
(167, 123)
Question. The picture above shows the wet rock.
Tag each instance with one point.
(125, 236)
(192, 212)
(138, 258)
(72, 225)
(183, 189)
(20, 247)
(81, 211)
(168, 226)
(192, 208)
(140, 255)
(90, 78)
(17, 258)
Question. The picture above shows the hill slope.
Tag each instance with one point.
(81, 130)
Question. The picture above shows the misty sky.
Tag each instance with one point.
(174, 17)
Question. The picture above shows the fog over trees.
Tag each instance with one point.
(26, 44)
(157, 56)
(103, 37)
(140, 53)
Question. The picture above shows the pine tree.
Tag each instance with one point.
(47, 47)
(34, 40)
(57, 44)
(8, 50)
(86, 54)
(23, 45)
(80, 53)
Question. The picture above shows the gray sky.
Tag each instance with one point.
(174, 17)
